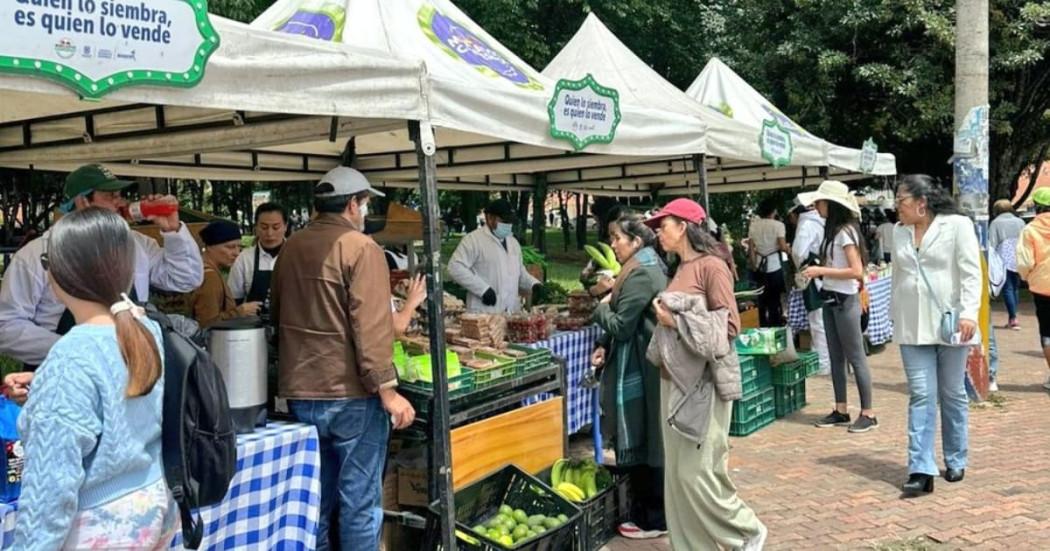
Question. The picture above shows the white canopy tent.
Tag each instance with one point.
(734, 160)
(723, 91)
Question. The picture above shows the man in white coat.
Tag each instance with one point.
(487, 263)
(808, 236)
(31, 317)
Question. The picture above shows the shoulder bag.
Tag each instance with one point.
(949, 324)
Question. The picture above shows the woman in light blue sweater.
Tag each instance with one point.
(91, 426)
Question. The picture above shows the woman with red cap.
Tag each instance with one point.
(702, 507)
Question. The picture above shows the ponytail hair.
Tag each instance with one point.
(90, 257)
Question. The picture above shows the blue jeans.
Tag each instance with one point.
(936, 373)
(354, 434)
(1011, 293)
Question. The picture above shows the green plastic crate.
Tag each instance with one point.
(755, 374)
(755, 405)
(765, 341)
(744, 429)
(506, 368)
(420, 392)
(789, 373)
(789, 398)
(812, 362)
(418, 368)
(536, 358)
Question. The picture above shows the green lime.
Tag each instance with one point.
(506, 541)
(540, 528)
(504, 519)
(551, 523)
(493, 534)
(521, 517)
(530, 534)
(520, 531)
(493, 522)
(536, 520)
(505, 509)
(504, 531)
(563, 518)
(480, 529)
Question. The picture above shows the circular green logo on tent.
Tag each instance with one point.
(458, 42)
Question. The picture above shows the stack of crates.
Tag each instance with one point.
(789, 383)
(757, 408)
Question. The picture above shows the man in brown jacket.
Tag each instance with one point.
(331, 304)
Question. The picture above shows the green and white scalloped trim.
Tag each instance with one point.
(94, 89)
(770, 125)
(425, 17)
(576, 85)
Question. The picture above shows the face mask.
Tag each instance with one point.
(364, 210)
(503, 230)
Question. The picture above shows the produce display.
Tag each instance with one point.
(604, 258)
(512, 527)
(581, 303)
(579, 480)
(490, 330)
(528, 328)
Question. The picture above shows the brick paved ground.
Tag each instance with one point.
(827, 489)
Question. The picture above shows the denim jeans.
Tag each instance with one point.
(354, 434)
(936, 373)
(1011, 291)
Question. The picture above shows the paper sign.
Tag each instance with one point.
(869, 154)
(775, 142)
(584, 112)
(97, 46)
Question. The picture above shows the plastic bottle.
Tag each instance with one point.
(140, 211)
(13, 454)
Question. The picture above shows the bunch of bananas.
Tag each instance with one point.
(605, 258)
(579, 481)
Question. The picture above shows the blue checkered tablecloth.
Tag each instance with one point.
(576, 348)
(274, 500)
(880, 325)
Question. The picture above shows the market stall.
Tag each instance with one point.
(273, 500)
(880, 323)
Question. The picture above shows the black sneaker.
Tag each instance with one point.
(834, 419)
(864, 424)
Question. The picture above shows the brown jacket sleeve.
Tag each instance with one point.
(371, 321)
(718, 288)
(212, 302)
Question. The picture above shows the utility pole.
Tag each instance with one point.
(970, 159)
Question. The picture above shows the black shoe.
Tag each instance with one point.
(954, 475)
(864, 424)
(918, 484)
(834, 419)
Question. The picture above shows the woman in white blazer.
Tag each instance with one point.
(934, 238)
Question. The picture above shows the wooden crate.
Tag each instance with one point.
(531, 437)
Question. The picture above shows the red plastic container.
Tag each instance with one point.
(140, 211)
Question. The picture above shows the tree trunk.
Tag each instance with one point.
(581, 220)
(522, 212)
(539, 217)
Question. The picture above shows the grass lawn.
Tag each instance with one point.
(564, 265)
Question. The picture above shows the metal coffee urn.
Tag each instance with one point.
(238, 348)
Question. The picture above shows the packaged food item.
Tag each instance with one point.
(14, 455)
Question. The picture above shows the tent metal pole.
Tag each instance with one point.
(440, 464)
(700, 166)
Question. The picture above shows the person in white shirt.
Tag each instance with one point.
(487, 263)
(249, 279)
(768, 238)
(843, 258)
(885, 236)
(32, 319)
(808, 237)
(936, 266)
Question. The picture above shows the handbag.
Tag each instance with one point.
(949, 316)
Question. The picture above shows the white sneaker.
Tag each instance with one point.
(993, 387)
(758, 542)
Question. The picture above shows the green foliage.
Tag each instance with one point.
(531, 255)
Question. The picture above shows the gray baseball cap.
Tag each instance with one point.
(343, 180)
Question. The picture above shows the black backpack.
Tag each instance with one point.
(199, 445)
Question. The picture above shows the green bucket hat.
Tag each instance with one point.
(1041, 197)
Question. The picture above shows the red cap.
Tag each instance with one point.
(683, 208)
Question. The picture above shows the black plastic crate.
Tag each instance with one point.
(512, 486)
(603, 513)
